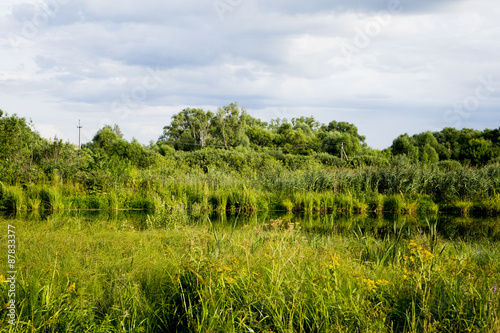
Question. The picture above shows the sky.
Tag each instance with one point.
(388, 66)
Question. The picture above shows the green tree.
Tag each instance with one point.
(478, 152)
(428, 154)
(188, 130)
(259, 136)
(104, 139)
(17, 139)
(229, 127)
(294, 140)
(336, 132)
(402, 145)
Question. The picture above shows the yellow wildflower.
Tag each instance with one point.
(334, 263)
(370, 285)
(383, 282)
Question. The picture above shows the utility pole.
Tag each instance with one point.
(79, 135)
(342, 151)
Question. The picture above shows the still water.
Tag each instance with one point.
(469, 229)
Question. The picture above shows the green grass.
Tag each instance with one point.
(51, 198)
(394, 203)
(11, 198)
(402, 188)
(186, 275)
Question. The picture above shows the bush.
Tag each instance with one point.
(427, 206)
(449, 165)
(330, 160)
(287, 204)
(394, 203)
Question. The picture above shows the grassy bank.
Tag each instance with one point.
(267, 276)
(406, 188)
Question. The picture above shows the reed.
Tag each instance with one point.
(11, 198)
(359, 206)
(327, 201)
(51, 198)
(461, 207)
(394, 203)
(112, 201)
(310, 187)
(490, 206)
(32, 195)
(344, 203)
(273, 276)
(375, 202)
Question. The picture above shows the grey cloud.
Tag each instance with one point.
(266, 55)
(298, 7)
(23, 12)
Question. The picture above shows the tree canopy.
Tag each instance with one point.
(25, 156)
(466, 146)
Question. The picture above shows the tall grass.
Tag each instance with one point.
(404, 188)
(260, 277)
(51, 198)
(32, 195)
(11, 198)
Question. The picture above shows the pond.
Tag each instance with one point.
(450, 227)
(166, 271)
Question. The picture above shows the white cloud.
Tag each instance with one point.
(49, 131)
(91, 56)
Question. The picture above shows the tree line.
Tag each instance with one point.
(231, 127)
(27, 157)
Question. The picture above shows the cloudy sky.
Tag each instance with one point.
(388, 66)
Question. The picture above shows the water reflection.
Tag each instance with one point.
(376, 225)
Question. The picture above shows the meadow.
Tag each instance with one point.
(274, 232)
(174, 270)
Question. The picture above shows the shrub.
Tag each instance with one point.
(427, 206)
(449, 165)
(287, 204)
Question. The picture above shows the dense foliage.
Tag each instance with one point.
(467, 146)
(181, 270)
(230, 160)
